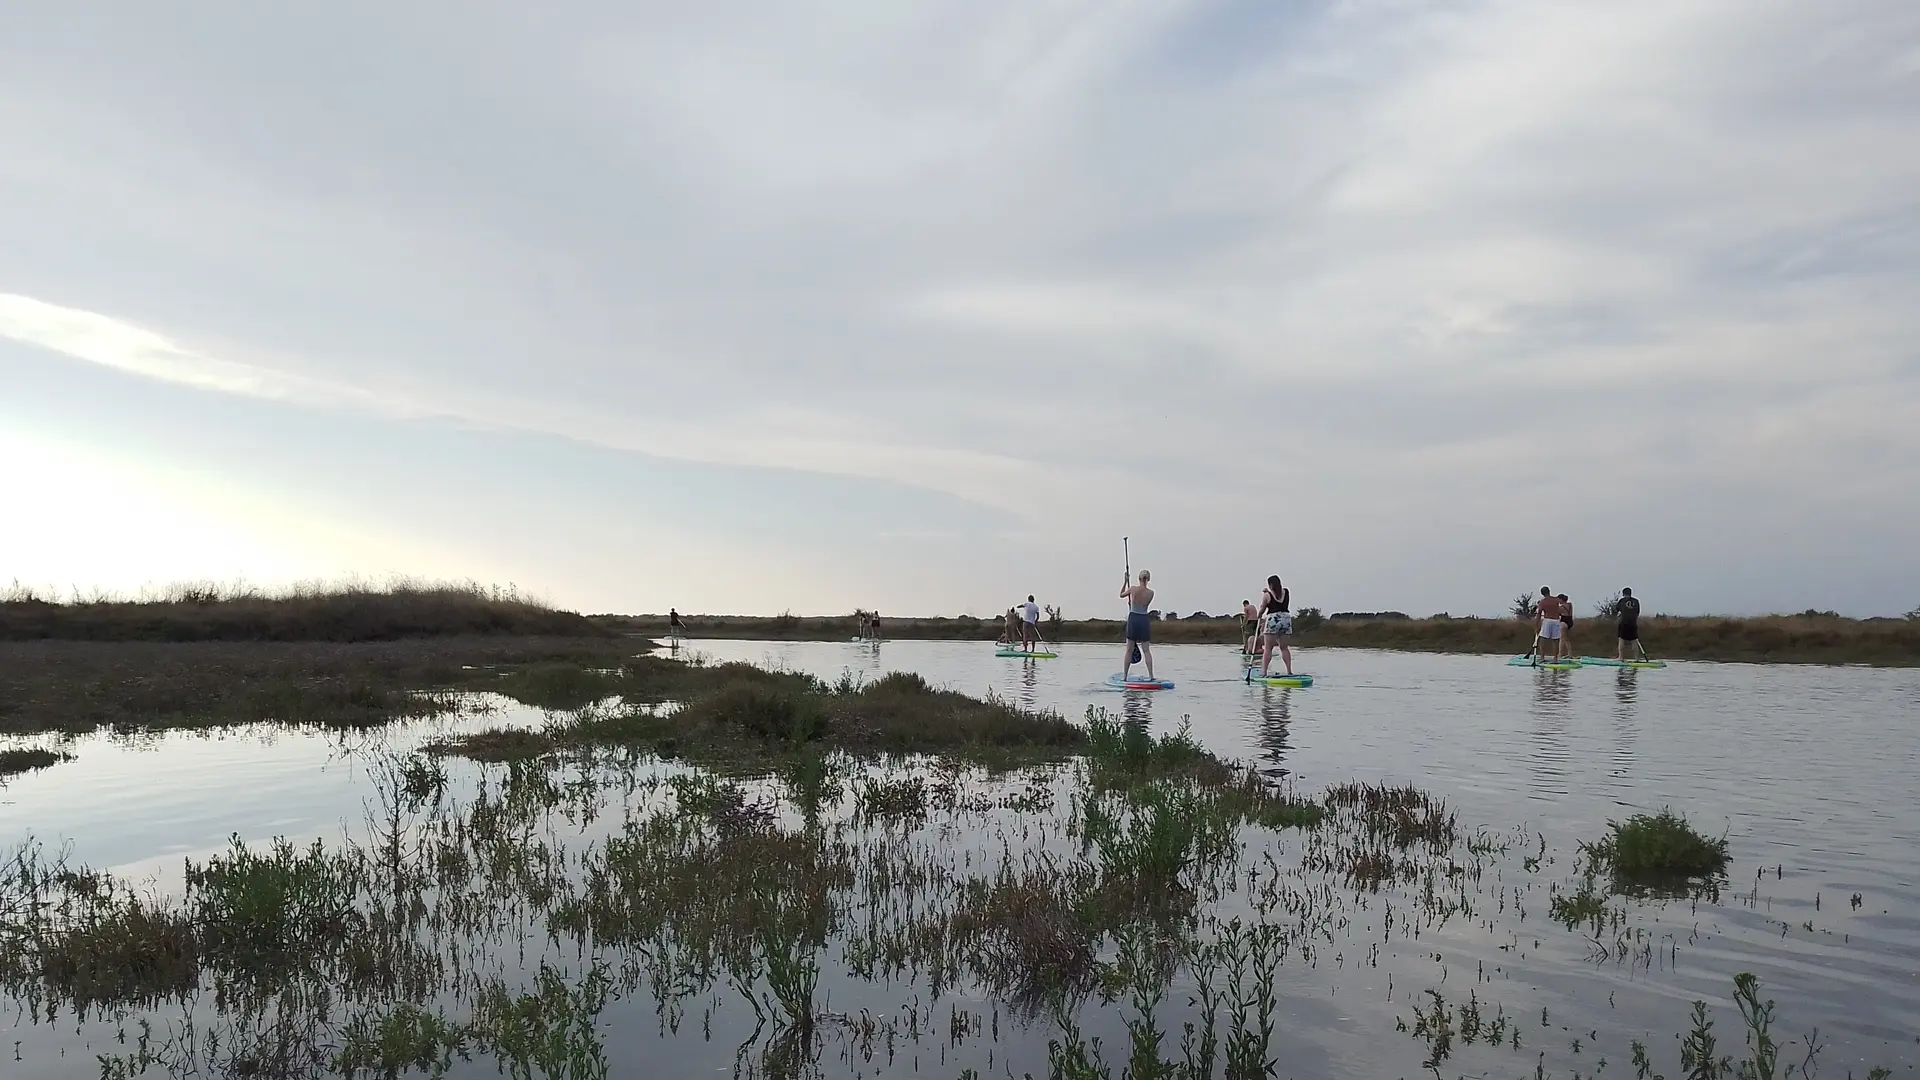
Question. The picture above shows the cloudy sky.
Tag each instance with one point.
(760, 306)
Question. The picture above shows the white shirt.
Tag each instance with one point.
(1031, 612)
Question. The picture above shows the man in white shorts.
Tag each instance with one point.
(1549, 612)
(1030, 623)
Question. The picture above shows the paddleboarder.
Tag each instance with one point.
(1139, 600)
(1249, 628)
(1626, 614)
(1566, 624)
(1030, 623)
(1547, 611)
(1276, 624)
(674, 626)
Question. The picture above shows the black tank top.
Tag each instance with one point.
(1276, 603)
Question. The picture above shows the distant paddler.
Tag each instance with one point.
(1249, 628)
(1030, 623)
(1566, 625)
(1139, 598)
(675, 628)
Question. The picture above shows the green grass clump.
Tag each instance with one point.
(1124, 752)
(403, 1040)
(26, 760)
(118, 949)
(495, 745)
(264, 913)
(558, 686)
(1651, 848)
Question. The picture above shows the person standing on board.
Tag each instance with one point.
(1139, 600)
(873, 625)
(675, 627)
(1548, 612)
(1276, 623)
(1249, 628)
(1627, 614)
(1030, 623)
(1566, 624)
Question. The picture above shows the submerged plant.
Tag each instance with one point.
(1652, 851)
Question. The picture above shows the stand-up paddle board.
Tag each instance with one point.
(1568, 664)
(1003, 651)
(1138, 682)
(1608, 661)
(1254, 678)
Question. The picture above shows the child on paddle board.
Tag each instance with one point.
(1139, 600)
(1276, 624)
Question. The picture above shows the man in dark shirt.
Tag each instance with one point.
(1627, 613)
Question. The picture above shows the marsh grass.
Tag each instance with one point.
(742, 716)
(80, 686)
(1657, 853)
(115, 947)
(19, 760)
(400, 1040)
(338, 612)
(268, 913)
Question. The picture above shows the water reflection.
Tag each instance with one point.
(1136, 707)
(1273, 715)
(1548, 757)
(1027, 694)
(1626, 726)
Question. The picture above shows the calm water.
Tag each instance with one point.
(1809, 771)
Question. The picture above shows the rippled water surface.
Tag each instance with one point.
(1810, 772)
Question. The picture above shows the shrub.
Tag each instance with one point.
(1308, 619)
(1652, 848)
(1524, 606)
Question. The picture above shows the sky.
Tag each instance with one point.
(758, 307)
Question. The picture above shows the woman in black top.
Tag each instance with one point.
(1276, 624)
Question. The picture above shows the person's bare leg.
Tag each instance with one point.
(1286, 654)
(1126, 660)
(1146, 653)
(1266, 654)
(1620, 649)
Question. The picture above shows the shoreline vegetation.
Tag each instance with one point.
(1808, 638)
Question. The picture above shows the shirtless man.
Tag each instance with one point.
(1249, 628)
(1548, 611)
(1139, 600)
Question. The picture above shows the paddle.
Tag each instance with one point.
(1127, 582)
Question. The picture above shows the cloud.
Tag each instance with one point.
(1423, 268)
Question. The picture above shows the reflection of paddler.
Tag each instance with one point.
(1139, 624)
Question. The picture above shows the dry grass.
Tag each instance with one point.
(343, 612)
(79, 686)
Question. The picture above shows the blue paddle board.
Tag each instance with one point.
(1138, 682)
